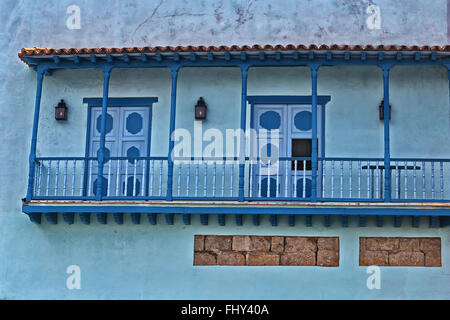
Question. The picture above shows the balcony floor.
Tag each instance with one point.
(51, 209)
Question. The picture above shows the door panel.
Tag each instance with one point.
(127, 136)
(292, 123)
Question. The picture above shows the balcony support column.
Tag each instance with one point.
(173, 107)
(387, 154)
(32, 158)
(101, 150)
(314, 155)
(244, 70)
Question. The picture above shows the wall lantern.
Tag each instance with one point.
(61, 111)
(200, 109)
(381, 110)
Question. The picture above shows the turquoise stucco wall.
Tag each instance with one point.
(144, 261)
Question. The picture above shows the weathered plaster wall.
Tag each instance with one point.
(143, 261)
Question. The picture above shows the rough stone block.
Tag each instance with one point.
(300, 244)
(409, 244)
(328, 258)
(406, 258)
(277, 244)
(372, 258)
(305, 258)
(430, 244)
(433, 259)
(263, 259)
(199, 243)
(217, 243)
(328, 243)
(384, 244)
(204, 259)
(230, 259)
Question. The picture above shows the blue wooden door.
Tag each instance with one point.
(127, 135)
(283, 131)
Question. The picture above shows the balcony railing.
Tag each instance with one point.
(283, 179)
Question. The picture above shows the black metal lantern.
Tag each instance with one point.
(381, 110)
(61, 111)
(200, 109)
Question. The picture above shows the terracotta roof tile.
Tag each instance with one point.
(36, 51)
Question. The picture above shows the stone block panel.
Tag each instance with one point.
(400, 251)
(252, 250)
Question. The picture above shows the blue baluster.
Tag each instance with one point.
(232, 176)
(161, 177)
(342, 180)
(350, 182)
(179, 179)
(65, 177)
(332, 178)
(415, 180)
(152, 176)
(441, 174)
(49, 169)
(188, 178)
(359, 179)
(56, 177)
(432, 180)
(323, 177)
(406, 179)
(118, 177)
(205, 179)
(196, 178)
(423, 181)
(214, 178)
(74, 172)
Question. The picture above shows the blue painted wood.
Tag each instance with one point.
(102, 217)
(244, 74)
(51, 217)
(433, 222)
(273, 220)
(221, 219)
(326, 221)
(291, 219)
(397, 221)
(314, 155)
(32, 157)
(308, 220)
(187, 219)
(204, 219)
(239, 219)
(415, 221)
(152, 218)
(387, 155)
(173, 101)
(344, 220)
(35, 217)
(379, 221)
(68, 217)
(322, 100)
(362, 221)
(136, 217)
(106, 77)
(255, 219)
(85, 217)
(122, 102)
(212, 209)
(118, 217)
(444, 221)
(169, 218)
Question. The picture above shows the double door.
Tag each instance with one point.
(283, 132)
(127, 135)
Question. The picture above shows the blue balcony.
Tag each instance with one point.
(316, 185)
(217, 179)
